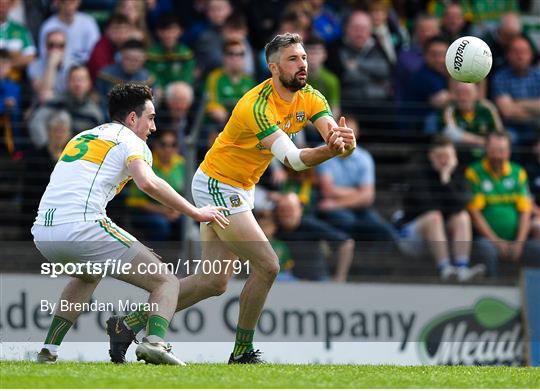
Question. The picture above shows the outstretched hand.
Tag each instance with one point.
(341, 138)
(212, 213)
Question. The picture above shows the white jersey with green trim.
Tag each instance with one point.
(90, 172)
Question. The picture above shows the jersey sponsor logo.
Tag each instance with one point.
(300, 116)
(236, 201)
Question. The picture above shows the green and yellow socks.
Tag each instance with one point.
(57, 331)
(243, 342)
(136, 320)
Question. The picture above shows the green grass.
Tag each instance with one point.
(17, 374)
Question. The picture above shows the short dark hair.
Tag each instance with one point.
(279, 42)
(167, 20)
(125, 98)
(440, 141)
(74, 68)
(315, 40)
(433, 41)
(499, 134)
(133, 44)
(118, 18)
(236, 21)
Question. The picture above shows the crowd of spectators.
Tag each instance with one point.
(466, 203)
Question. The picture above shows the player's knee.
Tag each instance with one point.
(168, 280)
(463, 219)
(270, 269)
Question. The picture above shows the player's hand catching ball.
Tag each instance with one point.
(210, 213)
(341, 138)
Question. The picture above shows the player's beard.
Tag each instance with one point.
(292, 83)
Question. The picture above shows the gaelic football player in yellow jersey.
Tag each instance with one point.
(72, 224)
(259, 129)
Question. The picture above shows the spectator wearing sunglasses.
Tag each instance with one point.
(48, 74)
(152, 220)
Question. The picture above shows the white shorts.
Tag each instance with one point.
(209, 191)
(94, 241)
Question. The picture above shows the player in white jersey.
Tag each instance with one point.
(72, 225)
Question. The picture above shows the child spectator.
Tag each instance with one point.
(116, 34)
(435, 215)
(130, 68)
(170, 60)
(225, 86)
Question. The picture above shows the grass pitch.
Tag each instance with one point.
(18, 374)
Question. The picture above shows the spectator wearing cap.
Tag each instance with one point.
(129, 68)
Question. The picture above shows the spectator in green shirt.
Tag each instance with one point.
(153, 220)
(225, 86)
(169, 60)
(467, 119)
(326, 82)
(501, 206)
(16, 39)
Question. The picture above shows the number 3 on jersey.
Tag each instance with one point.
(87, 147)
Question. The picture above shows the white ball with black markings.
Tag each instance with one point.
(468, 59)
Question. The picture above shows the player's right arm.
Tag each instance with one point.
(146, 180)
(290, 155)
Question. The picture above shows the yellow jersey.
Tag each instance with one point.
(237, 156)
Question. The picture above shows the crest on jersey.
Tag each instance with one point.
(236, 201)
(300, 116)
(487, 186)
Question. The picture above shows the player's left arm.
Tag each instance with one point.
(301, 159)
